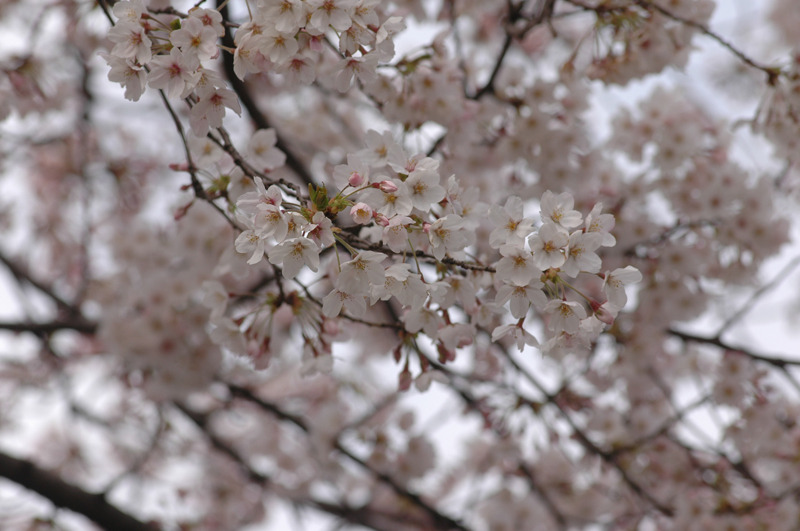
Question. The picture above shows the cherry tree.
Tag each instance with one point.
(395, 265)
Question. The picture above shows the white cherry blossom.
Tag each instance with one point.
(291, 255)
(424, 188)
(354, 304)
(395, 233)
(581, 255)
(357, 274)
(361, 213)
(176, 74)
(249, 241)
(389, 203)
(209, 110)
(565, 316)
(287, 15)
(548, 246)
(445, 235)
(520, 336)
(128, 74)
(335, 13)
(195, 38)
(131, 42)
(512, 226)
(599, 223)
(277, 46)
(262, 151)
(424, 320)
(322, 231)
(521, 297)
(615, 282)
(558, 209)
(517, 265)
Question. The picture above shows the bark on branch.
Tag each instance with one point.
(62, 494)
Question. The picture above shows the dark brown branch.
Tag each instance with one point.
(197, 188)
(40, 329)
(543, 495)
(545, 13)
(24, 276)
(777, 361)
(363, 516)
(441, 521)
(489, 86)
(750, 303)
(62, 494)
(772, 72)
(591, 447)
(358, 243)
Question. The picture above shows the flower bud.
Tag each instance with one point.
(602, 313)
(445, 354)
(404, 380)
(356, 179)
(361, 213)
(387, 187)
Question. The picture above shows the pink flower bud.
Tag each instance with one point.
(331, 327)
(356, 179)
(181, 211)
(386, 186)
(382, 220)
(404, 380)
(361, 213)
(445, 354)
(602, 313)
(397, 353)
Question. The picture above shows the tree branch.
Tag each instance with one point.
(63, 494)
(441, 521)
(40, 329)
(24, 276)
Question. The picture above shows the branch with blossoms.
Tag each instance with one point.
(439, 520)
(446, 216)
(362, 516)
(390, 204)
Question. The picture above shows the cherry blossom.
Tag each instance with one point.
(263, 152)
(127, 74)
(615, 281)
(477, 194)
(512, 227)
(516, 265)
(548, 246)
(175, 73)
(336, 13)
(294, 254)
(357, 274)
(445, 235)
(196, 38)
(131, 42)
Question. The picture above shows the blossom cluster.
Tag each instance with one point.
(157, 330)
(517, 227)
(408, 237)
(171, 56)
(646, 37)
(174, 54)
